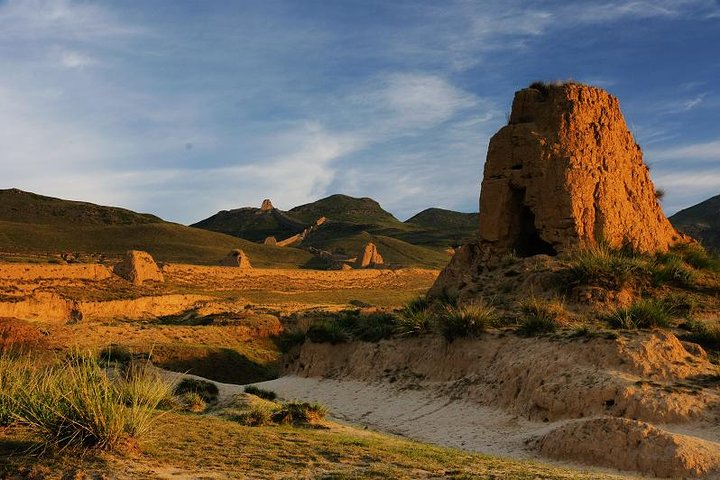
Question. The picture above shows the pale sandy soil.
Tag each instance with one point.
(417, 415)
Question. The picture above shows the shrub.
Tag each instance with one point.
(76, 403)
(414, 322)
(299, 413)
(259, 392)
(467, 321)
(645, 313)
(207, 390)
(541, 316)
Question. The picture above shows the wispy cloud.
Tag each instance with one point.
(707, 151)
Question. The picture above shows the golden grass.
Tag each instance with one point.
(203, 445)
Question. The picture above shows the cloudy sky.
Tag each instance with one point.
(183, 108)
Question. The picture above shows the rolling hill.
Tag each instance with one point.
(702, 222)
(351, 223)
(35, 224)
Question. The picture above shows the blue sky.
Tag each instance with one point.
(183, 108)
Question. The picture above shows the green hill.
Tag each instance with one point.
(440, 227)
(252, 224)
(343, 208)
(702, 222)
(35, 224)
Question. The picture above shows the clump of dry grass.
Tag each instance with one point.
(542, 316)
(75, 402)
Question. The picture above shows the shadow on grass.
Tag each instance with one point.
(215, 363)
(24, 456)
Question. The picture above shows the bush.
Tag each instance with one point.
(259, 392)
(645, 313)
(207, 390)
(76, 403)
(467, 321)
(541, 316)
(299, 413)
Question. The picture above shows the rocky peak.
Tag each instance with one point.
(266, 205)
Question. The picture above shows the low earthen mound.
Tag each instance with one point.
(632, 445)
(138, 267)
(236, 258)
(369, 257)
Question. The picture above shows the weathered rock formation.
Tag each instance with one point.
(138, 267)
(369, 257)
(270, 241)
(567, 173)
(266, 205)
(236, 258)
(564, 174)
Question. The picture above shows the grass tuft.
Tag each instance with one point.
(469, 320)
(541, 316)
(207, 390)
(76, 403)
(416, 318)
(645, 313)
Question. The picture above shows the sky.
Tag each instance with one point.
(182, 108)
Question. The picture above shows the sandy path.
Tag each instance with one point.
(416, 414)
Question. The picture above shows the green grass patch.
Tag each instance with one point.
(469, 320)
(541, 316)
(76, 403)
(644, 313)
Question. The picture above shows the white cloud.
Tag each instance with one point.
(71, 59)
(687, 153)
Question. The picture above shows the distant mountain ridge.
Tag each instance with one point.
(26, 207)
(36, 224)
(348, 223)
(702, 222)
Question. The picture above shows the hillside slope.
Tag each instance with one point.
(35, 224)
(252, 224)
(440, 227)
(702, 222)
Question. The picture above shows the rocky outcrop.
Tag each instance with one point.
(369, 257)
(138, 267)
(266, 205)
(236, 258)
(272, 241)
(567, 173)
